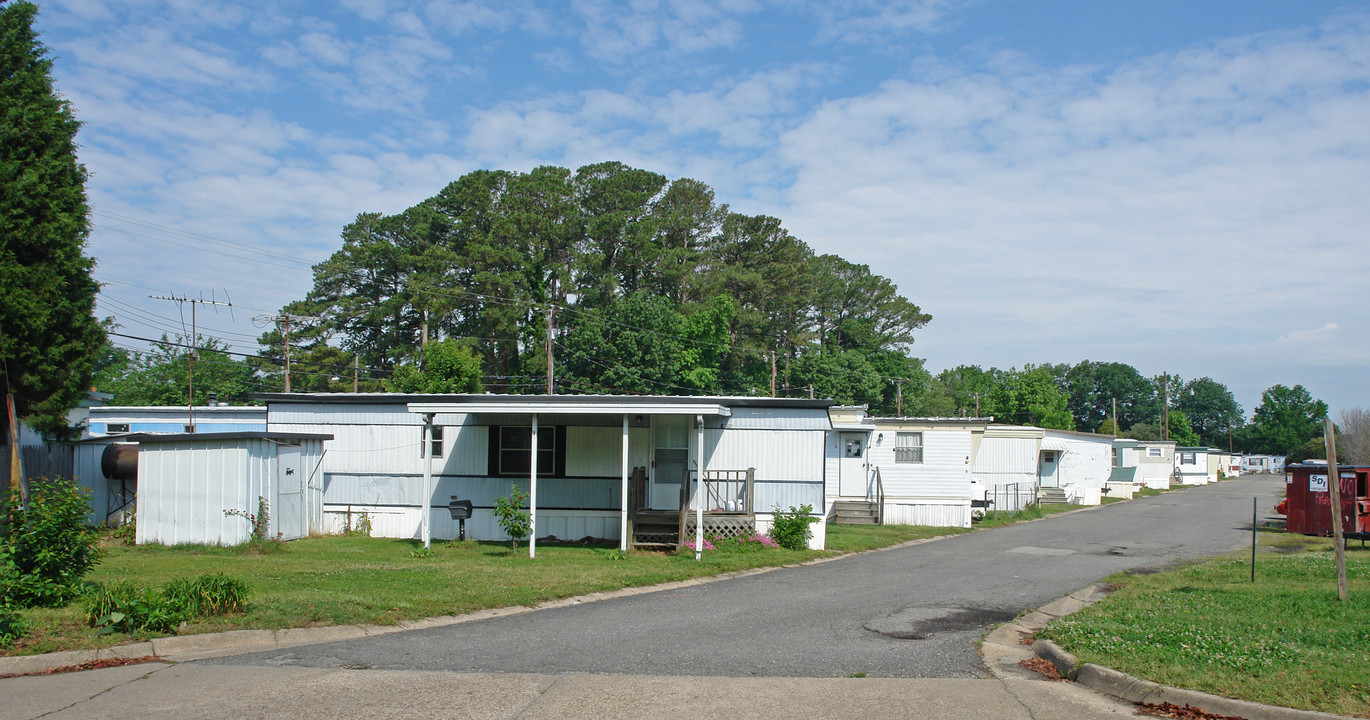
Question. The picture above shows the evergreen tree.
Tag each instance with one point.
(49, 336)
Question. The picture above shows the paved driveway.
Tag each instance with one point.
(910, 612)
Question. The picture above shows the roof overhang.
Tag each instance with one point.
(536, 407)
(1051, 443)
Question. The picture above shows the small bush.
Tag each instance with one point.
(128, 607)
(512, 518)
(790, 528)
(11, 626)
(48, 548)
(126, 532)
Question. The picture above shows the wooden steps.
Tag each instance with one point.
(854, 512)
(1052, 496)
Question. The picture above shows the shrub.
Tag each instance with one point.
(512, 518)
(260, 521)
(11, 626)
(126, 532)
(790, 528)
(128, 607)
(48, 548)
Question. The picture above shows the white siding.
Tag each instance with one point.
(928, 513)
(749, 418)
(183, 491)
(396, 449)
(1087, 461)
(943, 474)
(777, 455)
(598, 451)
(1006, 460)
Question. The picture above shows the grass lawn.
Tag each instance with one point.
(1285, 640)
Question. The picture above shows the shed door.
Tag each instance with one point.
(291, 522)
(851, 464)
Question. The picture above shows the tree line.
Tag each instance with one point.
(639, 284)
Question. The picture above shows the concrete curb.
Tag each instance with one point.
(1002, 658)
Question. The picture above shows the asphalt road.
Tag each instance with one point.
(913, 612)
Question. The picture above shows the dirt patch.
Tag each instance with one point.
(92, 665)
(1042, 667)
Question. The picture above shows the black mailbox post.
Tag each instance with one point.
(461, 512)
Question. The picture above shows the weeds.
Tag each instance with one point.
(126, 606)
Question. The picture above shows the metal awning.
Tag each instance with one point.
(1057, 444)
(535, 407)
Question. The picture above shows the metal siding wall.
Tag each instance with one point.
(795, 455)
(407, 491)
(315, 414)
(944, 472)
(598, 451)
(787, 495)
(746, 418)
(394, 449)
(1006, 461)
(1087, 463)
(935, 515)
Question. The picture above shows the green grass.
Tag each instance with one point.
(855, 538)
(1285, 640)
(349, 580)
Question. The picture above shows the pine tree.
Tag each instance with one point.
(49, 337)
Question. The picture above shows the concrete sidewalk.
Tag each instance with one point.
(178, 692)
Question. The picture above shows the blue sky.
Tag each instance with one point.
(1176, 185)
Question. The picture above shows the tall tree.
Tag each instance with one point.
(1285, 421)
(1094, 386)
(1212, 410)
(1354, 441)
(1029, 397)
(49, 336)
(161, 375)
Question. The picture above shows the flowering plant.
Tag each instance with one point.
(707, 545)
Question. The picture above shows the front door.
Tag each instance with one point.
(670, 461)
(851, 465)
(290, 506)
(1051, 459)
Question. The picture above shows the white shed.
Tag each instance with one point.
(198, 488)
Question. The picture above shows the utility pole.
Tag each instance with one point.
(356, 365)
(772, 373)
(1165, 406)
(977, 403)
(899, 397)
(1329, 437)
(194, 353)
(283, 320)
(1115, 417)
(551, 380)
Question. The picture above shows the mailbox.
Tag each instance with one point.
(461, 512)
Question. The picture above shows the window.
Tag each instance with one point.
(1153, 452)
(514, 444)
(853, 448)
(1048, 456)
(908, 447)
(436, 450)
(116, 427)
(1188, 458)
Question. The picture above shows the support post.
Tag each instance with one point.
(1329, 435)
(623, 521)
(533, 494)
(699, 489)
(427, 499)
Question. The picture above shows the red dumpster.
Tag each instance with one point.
(1310, 503)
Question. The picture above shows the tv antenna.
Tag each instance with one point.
(194, 354)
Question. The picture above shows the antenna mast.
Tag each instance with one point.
(194, 346)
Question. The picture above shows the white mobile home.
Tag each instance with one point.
(1146, 463)
(1004, 470)
(595, 466)
(1263, 463)
(1079, 463)
(1192, 466)
(917, 471)
(176, 419)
